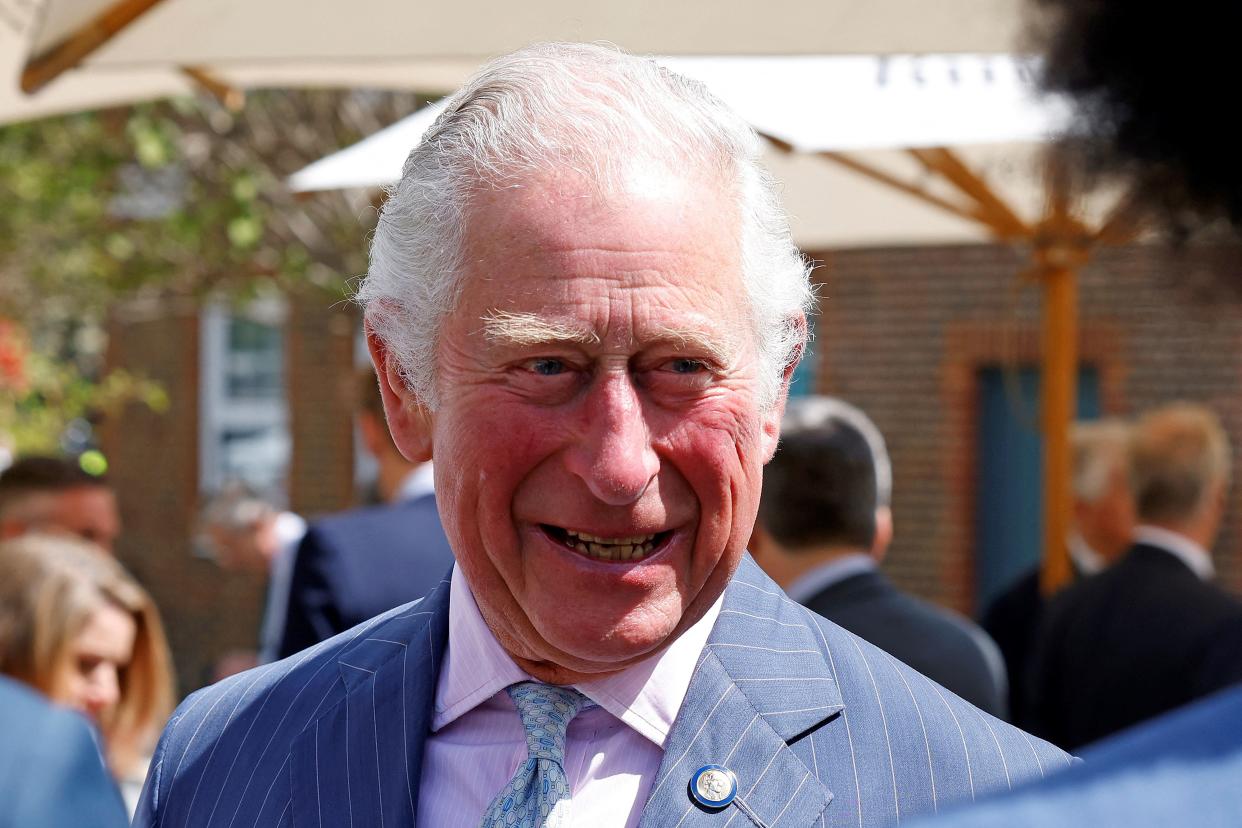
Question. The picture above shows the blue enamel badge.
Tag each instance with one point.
(713, 786)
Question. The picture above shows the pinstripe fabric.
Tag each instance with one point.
(820, 728)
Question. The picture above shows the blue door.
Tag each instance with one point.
(1009, 498)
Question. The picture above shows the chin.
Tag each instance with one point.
(597, 645)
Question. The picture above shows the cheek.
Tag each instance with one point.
(494, 442)
(481, 460)
(717, 454)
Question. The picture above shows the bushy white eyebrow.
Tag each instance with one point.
(526, 329)
(520, 329)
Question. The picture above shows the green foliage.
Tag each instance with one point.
(160, 201)
(41, 395)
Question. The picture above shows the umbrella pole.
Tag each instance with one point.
(1058, 403)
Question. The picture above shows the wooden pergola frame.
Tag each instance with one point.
(1061, 243)
(43, 68)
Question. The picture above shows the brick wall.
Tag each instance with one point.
(903, 332)
(319, 359)
(154, 465)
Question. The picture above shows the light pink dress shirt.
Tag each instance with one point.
(612, 752)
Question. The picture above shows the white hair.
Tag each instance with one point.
(589, 108)
(1101, 449)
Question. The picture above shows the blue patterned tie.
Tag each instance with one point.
(546, 710)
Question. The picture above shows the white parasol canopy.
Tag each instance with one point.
(81, 54)
(984, 105)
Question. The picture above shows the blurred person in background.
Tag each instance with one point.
(246, 533)
(54, 494)
(51, 773)
(76, 627)
(358, 564)
(825, 522)
(1103, 529)
(1153, 632)
(1131, 69)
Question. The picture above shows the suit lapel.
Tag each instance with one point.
(761, 683)
(342, 767)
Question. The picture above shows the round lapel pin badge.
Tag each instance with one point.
(713, 786)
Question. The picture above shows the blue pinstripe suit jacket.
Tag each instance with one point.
(821, 729)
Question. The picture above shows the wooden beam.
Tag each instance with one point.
(1002, 223)
(1058, 399)
(230, 97)
(890, 180)
(946, 163)
(876, 174)
(70, 52)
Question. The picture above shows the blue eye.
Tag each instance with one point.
(546, 367)
(686, 366)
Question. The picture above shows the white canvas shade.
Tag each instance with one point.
(129, 50)
(872, 107)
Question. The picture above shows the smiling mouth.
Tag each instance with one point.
(631, 548)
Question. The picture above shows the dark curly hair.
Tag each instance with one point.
(1153, 86)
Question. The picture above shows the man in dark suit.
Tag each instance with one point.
(358, 564)
(1153, 632)
(1103, 530)
(824, 524)
(51, 773)
(1182, 768)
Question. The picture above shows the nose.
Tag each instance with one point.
(614, 455)
(103, 692)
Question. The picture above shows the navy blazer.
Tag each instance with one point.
(51, 774)
(1179, 770)
(1142, 638)
(940, 644)
(821, 729)
(353, 566)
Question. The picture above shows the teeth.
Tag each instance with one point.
(631, 541)
(611, 549)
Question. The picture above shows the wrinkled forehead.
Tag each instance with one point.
(677, 234)
(651, 209)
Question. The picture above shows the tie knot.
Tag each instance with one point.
(546, 712)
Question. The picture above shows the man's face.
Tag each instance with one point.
(1107, 523)
(599, 440)
(89, 512)
(250, 548)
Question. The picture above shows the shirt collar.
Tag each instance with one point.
(1088, 561)
(815, 581)
(645, 696)
(1196, 558)
(419, 482)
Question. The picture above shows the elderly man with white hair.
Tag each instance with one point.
(583, 300)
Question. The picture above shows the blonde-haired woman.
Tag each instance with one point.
(76, 626)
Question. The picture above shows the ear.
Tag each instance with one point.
(883, 533)
(409, 421)
(772, 418)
